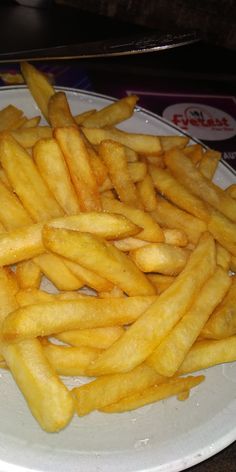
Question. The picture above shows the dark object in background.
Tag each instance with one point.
(215, 20)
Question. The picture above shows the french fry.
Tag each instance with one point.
(26, 181)
(147, 193)
(170, 142)
(53, 169)
(161, 282)
(99, 338)
(56, 270)
(171, 188)
(160, 257)
(28, 137)
(129, 244)
(90, 278)
(209, 163)
(82, 116)
(143, 336)
(109, 389)
(168, 215)
(222, 322)
(113, 155)
(183, 169)
(151, 230)
(154, 394)
(223, 230)
(32, 122)
(28, 274)
(70, 361)
(59, 113)
(77, 159)
(233, 263)
(21, 244)
(48, 399)
(105, 225)
(34, 296)
(140, 143)
(10, 116)
(231, 190)
(207, 353)
(12, 213)
(175, 237)
(98, 255)
(48, 318)
(115, 292)
(170, 354)
(7, 298)
(137, 171)
(194, 152)
(39, 86)
(223, 257)
(112, 114)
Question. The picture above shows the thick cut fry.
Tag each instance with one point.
(167, 214)
(98, 167)
(32, 122)
(28, 137)
(222, 322)
(7, 298)
(147, 193)
(83, 116)
(113, 154)
(111, 388)
(46, 319)
(28, 274)
(70, 361)
(160, 257)
(141, 143)
(169, 186)
(150, 230)
(175, 237)
(194, 152)
(99, 256)
(39, 86)
(185, 171)
(154, 394)
(34, 296)
(100, 338)
(207, 353)
(170, 142)
(143, 336)
(78, 162)
(48, 399)
(223, 230)
(56, 270)
(26, 181)
(89, 277)
(59, 113)
(129, 244)
(21, 244)
(105, 225)
(170, 354)
(112, 114)
(10, 117)
(53, 169)
(12, 213)
(161, 282)
(209, 163)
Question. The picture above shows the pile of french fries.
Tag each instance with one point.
(139, 244)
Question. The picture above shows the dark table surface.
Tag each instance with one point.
(202, 67)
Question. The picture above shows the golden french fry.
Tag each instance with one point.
(99, 338)
(137, 171)
(151, 230)
(194, 152)
(28, 274)
(113, 154)
(170, 354)
(207, 353)
(10, 117)
(21, 244)
(32, 122)
(78, 162)
(129, 244)
(161, 282)
(82, 116)
(109, 389)
(231, 190)
(115, 292)
(53, 169)
(59, 114)
(98, 167)
(160, 257)
(7, 297)
(168, 215)
(147, 193)
(12, 213)
(154, 394)
(222, 322)
(209, 163)
(140, 143)
(170, 142)
(176, 237)
(223, 230)
(171, 188)
(56, 270)
(34, 296)
(48, 399)
(48, 318)
(105, 225)
(98, 255)
(185, 171)
(89, 277)
(28, 137)
(223, 257)
(70, 361)
(144, 335)
(39, 86)
(233, 263)
(112, 114)
(26, 181)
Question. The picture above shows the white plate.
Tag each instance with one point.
(167, 436)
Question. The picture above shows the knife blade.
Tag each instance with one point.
(135, 44)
